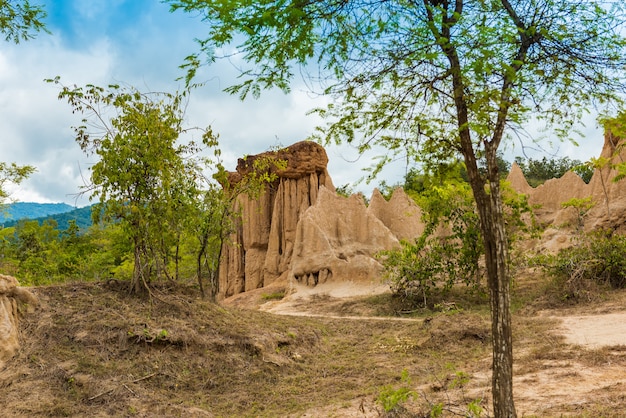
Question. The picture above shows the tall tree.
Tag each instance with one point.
(145, 177)
(435, 77)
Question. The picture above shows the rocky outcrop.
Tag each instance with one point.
(299, 229)
(260, 249)
(11, 295)
(609, 210)
(337, 239)
(400, 214)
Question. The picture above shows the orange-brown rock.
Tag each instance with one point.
(10, 295)
(400, 214)
(609, 210)
(337, 239)
(260, 249)
(300, 229)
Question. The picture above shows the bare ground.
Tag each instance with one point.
(91, 350)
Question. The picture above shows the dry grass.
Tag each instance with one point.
(94, 351)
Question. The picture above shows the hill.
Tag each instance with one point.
(90, 349)
(30, 210)
(82, 216)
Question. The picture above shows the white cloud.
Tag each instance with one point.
(94, 44)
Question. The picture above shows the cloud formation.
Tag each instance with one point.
(140, 43)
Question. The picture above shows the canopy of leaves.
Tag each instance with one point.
(386, 62)
(19, 19)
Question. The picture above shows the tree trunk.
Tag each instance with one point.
(135, 284)
(489, 205)
(496, 250)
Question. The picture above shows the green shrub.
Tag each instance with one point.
(598, 258)
(392, 399)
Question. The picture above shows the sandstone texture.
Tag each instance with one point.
(337, 238)
(10, 296)
(298, 230)
(260, 249)
(609, 205)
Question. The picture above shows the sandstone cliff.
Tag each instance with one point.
(609, 210)
(299, 229)
(337, 238)
(10, 296)
(260, 249)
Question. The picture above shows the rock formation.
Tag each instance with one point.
(337, 239)
(10, 296)
(400, 214)
(299, 229)
(260, 249)
(609, 210)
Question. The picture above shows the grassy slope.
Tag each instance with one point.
(91, 350)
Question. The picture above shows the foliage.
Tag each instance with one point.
(538, 171)
(12, 173)
(615, 128)
(18, 19)
(145, 179)
(345, 190)
(391, 398)
(582, 207)
(42, 253)
(432, 80)
(597, 258)
(449, 250)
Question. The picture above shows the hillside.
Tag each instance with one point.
(92, 350)
(82, 216)
(30, 210)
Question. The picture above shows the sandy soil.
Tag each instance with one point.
(542, 391)
(595, 331)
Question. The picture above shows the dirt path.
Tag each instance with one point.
(595, 331)
(554, 386)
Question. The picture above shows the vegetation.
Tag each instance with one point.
(450, 248)
(145, 179)
(434, 79)
(96, 350)
(437, 81)
(12, 174)
(597, 260)
(538, 171)
(19, 19)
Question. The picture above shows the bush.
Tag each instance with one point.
(419, 270)
(392, 399)
(599, 258)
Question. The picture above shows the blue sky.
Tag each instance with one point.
(140, 43)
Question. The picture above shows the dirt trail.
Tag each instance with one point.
(595, 331)
(558, 386)
(591, 331)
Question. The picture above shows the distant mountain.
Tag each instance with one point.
(60, 212)
(21, 210)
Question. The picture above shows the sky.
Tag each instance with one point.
(141, 44)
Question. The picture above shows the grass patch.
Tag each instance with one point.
(91, 349)
(273, 296)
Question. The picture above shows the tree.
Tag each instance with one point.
(19, 18)
(436, 78)
(145, 179)
(12, 173)
(538, 171)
